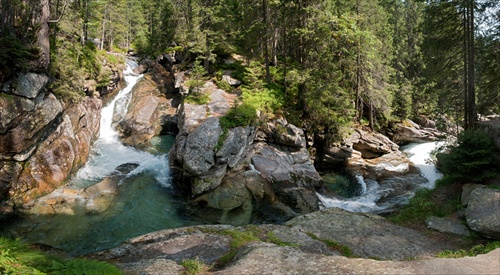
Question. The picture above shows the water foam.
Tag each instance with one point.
(108, 152)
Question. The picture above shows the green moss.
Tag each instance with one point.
(239, 238)
(272, 238)
(343, 249)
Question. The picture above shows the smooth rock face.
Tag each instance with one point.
(173, 244)
(412, 132)
(447, 225)
(368, 235)
(483, 212)
(467, 191)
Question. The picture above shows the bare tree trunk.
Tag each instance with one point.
(266, 48)
(472, 90)
(466, 60)
(103, 33)
(42, 36)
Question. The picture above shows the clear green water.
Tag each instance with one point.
(142, 205)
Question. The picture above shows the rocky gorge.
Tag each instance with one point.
(255, 169)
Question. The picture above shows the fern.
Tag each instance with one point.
(83, 267)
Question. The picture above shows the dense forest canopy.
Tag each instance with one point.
(324, 63)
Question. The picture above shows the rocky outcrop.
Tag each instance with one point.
(367, 235)
(483, 212)
(152, 106)
(266, 164)
(41, 140)
(409, 132)
(316, 243)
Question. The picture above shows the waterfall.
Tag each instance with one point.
(419, 154)
(108, 152)
(385, 196)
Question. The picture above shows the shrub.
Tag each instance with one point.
(472, 158)
(197, 98)
(193, 267)
(241, 115)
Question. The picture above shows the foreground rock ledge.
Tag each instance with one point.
(299, 247)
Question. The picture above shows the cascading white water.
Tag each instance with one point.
(373, 192)
(108, 152)
(419, 155)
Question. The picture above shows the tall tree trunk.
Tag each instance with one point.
(472, 90)
(470, 113)
(206, 61)
(465, 68)
(43, 41)
(359, 96)
(266, 48)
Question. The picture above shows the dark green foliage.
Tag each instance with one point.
(241, 115)
(15, 55)
(472, 158)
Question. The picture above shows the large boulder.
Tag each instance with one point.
(29, 85)
(51, 144)
(409, 131)
(299, 248)
(371, 144)
(483, 212)
(292, 175)
(148, 112)
(203, 163)
(492, 128)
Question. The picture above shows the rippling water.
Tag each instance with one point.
(385, 196)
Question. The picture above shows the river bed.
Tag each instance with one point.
(390, 194)
(145, 201)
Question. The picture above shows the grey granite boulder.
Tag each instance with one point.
(483, 212)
